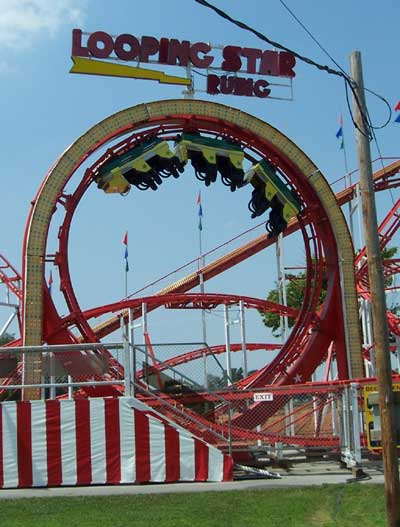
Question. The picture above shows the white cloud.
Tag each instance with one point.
(24, 21)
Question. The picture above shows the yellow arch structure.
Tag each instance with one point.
(35, 248)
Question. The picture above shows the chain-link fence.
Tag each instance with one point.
(188, 384)
(192, 364)
(64, 369)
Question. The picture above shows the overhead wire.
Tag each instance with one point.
(311, 35)
(340, 73)
(367, 121)
(370, 125)
(244, 26)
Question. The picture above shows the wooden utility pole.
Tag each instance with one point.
(378, 300)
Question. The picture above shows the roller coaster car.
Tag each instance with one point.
(270, 192)
(142, 166)
(210, 156)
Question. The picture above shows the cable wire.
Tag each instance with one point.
(370, 125)
(244, 26)
(349, 82)
(312, 36)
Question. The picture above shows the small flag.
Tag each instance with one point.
(200, 211)
(50, 283)
(339, 133)
(397, 120)
(125, 242)
(397, 107)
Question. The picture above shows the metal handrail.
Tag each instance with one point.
(198, 423)
(57, 348)
(194, 384)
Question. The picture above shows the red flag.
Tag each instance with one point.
(198, 201)
(125, 238)
(397, 107)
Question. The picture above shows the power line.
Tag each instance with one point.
(311, 35)
(244, 26)
(318, 43)
(366, 118)
(307, 60)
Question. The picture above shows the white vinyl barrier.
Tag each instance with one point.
(99, 441)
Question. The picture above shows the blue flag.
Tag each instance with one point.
(198, 201)
(397, 120)
(125, 242)
(339, 133)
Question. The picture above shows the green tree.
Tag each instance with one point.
(6, 338)
(295, 290)
(216, 382)
(387, 254)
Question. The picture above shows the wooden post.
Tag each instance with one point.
(378, 300)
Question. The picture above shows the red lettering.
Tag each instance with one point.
(243, 87)
(252, 55)
(269, 63)
(77, 49)
(227, 84)
(212, 84)
(100, 37)
(261, 88)
(163, 55)
(232, 60)
(287, 61)
(149, 46)
(133, 47)
(200, 47)
(179, 51)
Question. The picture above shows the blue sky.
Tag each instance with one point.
(44, 108)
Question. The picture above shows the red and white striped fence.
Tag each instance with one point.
(99, 441)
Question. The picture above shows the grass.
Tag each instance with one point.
(326, 506)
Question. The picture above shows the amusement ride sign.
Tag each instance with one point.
(229, 70)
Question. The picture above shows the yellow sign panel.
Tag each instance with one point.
(98, 67)
(372, 416)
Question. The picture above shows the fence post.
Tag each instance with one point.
(279, 450)
(334, 414)
(52, 375)
(132, 352)
(243, 337)
(356, 446)
(205, 369)
(127, 361)
(227, 346)
(351, 450)
(70, 388)
(258, 429)
(344, 428)
(289, 422)
(43, 377)
(230, 427)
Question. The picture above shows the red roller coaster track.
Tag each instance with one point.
(317, 328)
(385, 178)
(303, 350)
